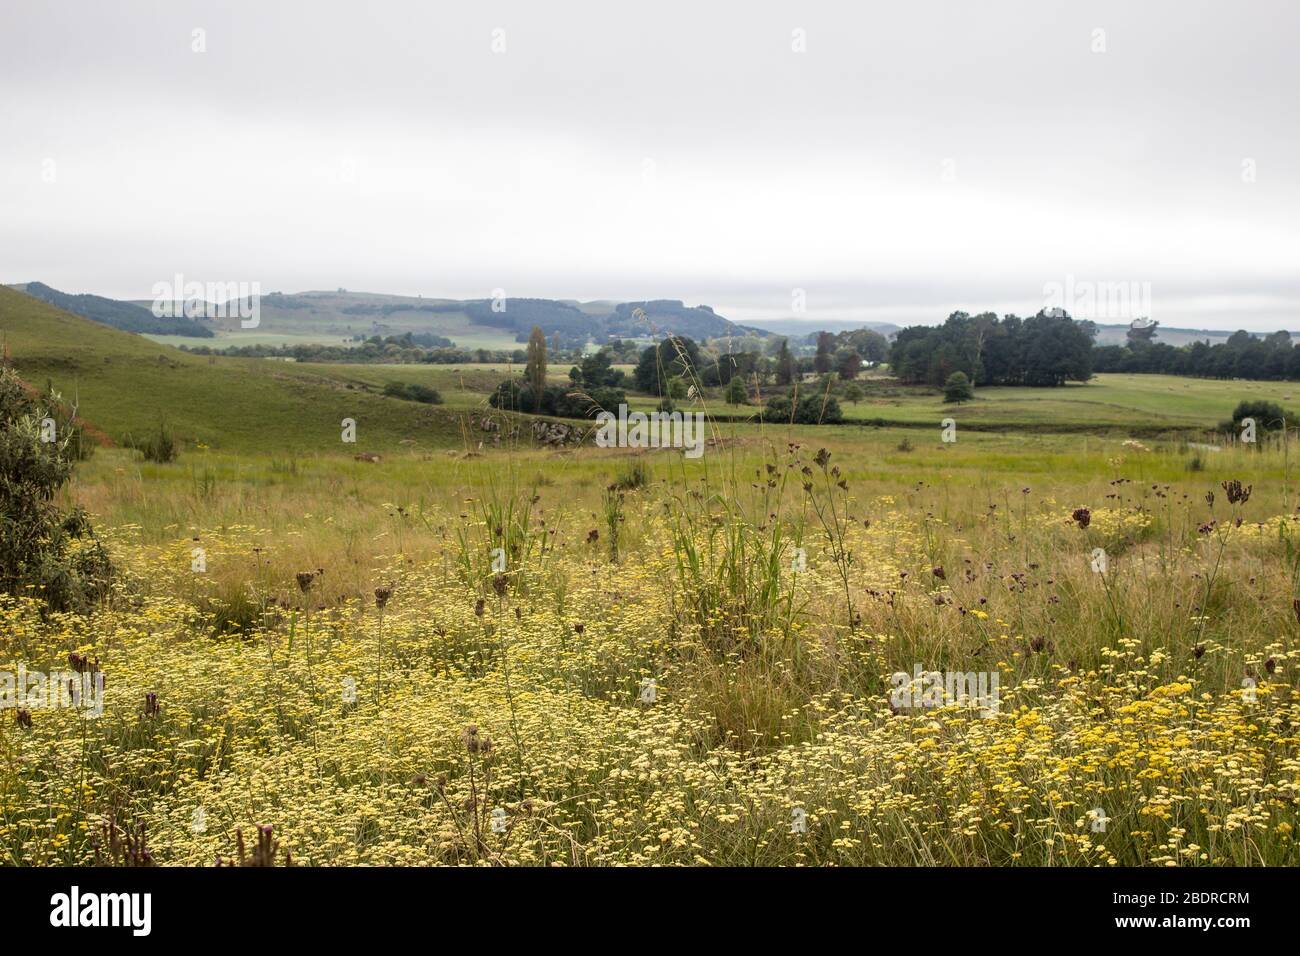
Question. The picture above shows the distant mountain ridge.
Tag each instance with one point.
(351, 314)
(573, 324)
(341, 314)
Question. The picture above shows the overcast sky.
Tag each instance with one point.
(914, 158)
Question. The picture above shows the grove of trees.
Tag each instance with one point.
(1045, 349)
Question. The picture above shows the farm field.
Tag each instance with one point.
(223, 338)
(1148, 403)
(1130, 404)
(479, 651)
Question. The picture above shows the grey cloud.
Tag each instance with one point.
(916, 155)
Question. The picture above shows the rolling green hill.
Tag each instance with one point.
(127, 316)
(126, 386)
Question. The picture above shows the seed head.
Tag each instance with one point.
(1237, 493)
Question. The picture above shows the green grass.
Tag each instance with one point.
(461, 386)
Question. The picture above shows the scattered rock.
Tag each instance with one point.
(557, 434)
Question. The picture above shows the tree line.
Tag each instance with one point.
(1270, 358)
(1051, 348)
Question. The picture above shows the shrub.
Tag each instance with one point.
(160, 448)
(424, 394)
(828, 412)
(413, 392)
(80, 446)
(778, 409)
(512, 396)
(635, 474)
(1269, 416)
(561, 401)
(812, 410)
(736, 392)
(44, 552)
(958, 388)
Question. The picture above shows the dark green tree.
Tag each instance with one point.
(535, 366)
(823, 361)
(785, 366)
(736, 392)
(674, 357)
(848, 363)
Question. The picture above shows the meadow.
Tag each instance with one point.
(474, 715)
(483, 652)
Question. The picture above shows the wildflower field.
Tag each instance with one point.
(579, 657)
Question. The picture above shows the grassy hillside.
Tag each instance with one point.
(127, 316)
(127, 386)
